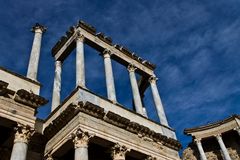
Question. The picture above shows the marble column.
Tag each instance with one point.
(157, 101)
(35, 52)
(109, 76)
(80, 68)
(56, 96)
(135, 91)
(80, 140)
(119, 152)
(200, 149)
(20, 146)
(223, 147)
(238, 130)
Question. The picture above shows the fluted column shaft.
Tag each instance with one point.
(157, 101)
(20, 146)
(109, 76)
(35, 52)
(81, 140)
(56, 96)
(223, 147)
(80, 67)
(135, 91)
(200, 150)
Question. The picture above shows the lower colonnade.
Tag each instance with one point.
(221, 144)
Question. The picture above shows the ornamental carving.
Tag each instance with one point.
(107, 53)
(150, 158)
(153, 79)
(23, 133)
(81, 138)
(188, 154)
(80, 37)
(119, 152)
(131, 68)
(38, 26)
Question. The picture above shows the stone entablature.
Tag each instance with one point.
(99, 41)
(86, 107)
(212, 129)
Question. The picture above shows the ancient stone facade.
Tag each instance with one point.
(215, 141)
(85, 126)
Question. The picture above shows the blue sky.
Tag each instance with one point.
(195, 45)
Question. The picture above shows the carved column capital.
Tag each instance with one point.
(150, 158)
(106, 53)
(119, 152)
(218, 136)
(81, 138)
(38, 28)
(23, 133)
(153, 79)
(49, 157)
(131, 68)
(197, 140)
(80, 37)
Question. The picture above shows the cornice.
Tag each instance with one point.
(211, 125)
(93, 110)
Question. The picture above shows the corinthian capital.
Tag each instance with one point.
(38, 28)
(81, 138)
(23, 133)
(107, 53)
(150, 158)
(119, 152)
(131, 68)
(80, 37)
(153, 79)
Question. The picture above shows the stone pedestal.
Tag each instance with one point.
(35, 53)
(22, 137)
(135, 91)
(157, 101)
(80, 67)
(119, 152)
(109, 76)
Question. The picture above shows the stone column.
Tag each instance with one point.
(80, 140)
(223, 147)
(35, 53)
(119, 152)
(109, 76)
(80, 69)
(238, 130)
(20, 146)
(135, 91)
(200, 149)
(56, 96)
(157, 101)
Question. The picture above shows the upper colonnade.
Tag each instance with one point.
(77, 37)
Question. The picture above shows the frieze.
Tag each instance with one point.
(86, 27)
